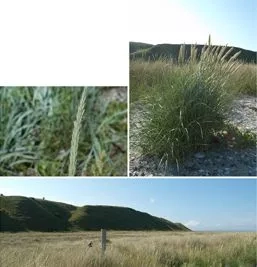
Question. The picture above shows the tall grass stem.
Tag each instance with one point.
(76, 133)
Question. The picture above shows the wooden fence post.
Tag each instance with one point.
(103, 240)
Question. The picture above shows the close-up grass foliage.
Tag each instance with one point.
(55, 131)
(186, 103)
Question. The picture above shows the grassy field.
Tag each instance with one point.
(59, 131)
(147, 76)
(184, 105)
(128, 249)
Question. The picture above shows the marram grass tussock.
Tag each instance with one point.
(183, 105)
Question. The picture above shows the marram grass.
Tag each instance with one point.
(75, 134)
(37, 132)
(184, 104)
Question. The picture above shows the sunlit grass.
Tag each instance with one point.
(129, 249)
(244, 80)
(75, 134)
(185, 104)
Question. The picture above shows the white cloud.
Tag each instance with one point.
(152, 200)
(192, 223)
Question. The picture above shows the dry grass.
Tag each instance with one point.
(244, 81)
(128, 249)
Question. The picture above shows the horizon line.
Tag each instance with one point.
(255, 51)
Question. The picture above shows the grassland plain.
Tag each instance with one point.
(50, 131)
(181, 111)
(128, 248)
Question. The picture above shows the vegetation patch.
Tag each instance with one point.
(184, 105)
(133, 248)
(38, 136)
(170, 51)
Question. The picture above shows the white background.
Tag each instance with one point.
(64, 42)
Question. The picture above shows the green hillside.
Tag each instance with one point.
(182, 226)
(118, 218)
(21, 214)
(137, 46)
(30, 214)
(168, 51)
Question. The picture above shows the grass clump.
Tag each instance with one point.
(184, 104)
(36, 130)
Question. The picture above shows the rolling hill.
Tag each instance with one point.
(168, 51)
(19, 213)
(137, 46)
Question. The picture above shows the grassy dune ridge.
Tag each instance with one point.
(22, 213)
(128, 249)
(170, 51)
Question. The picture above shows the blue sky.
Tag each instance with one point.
(201, 204)
(232, 22)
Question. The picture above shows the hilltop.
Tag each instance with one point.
(29, 214)
(168, 51)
